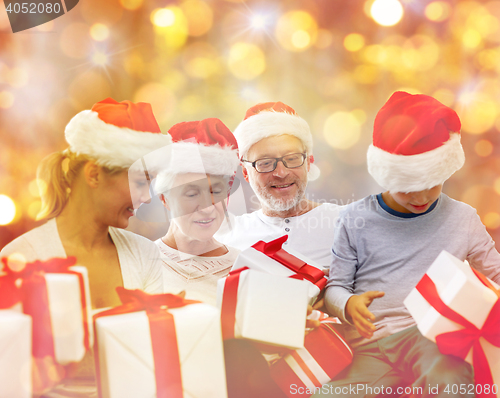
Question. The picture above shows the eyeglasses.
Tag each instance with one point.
(291, 161)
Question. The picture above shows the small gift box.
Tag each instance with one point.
(263, 307)
(56, 295)
(15, 354)
(272, 258)
(159, 346)
(459, 309)
(325, 354)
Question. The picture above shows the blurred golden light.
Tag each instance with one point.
(131, 4)
(375, 54)
(301, 39)
(471, 38)
(191, 104)
(360, 115)
(354, 42)
(492, 220)
(7, 210)
(171, 24)
(99, 32)
(478, 114)
(488, 59)
(37, 187)
(324, 39)
(366, 74)
(445, 96)
(199, 16)
(438, 11)
(483, 198)
(18, 77)
(246, 61)
(386, 12)
(74, 41)
(134, 64)
(258, 21)
(496, 185)
(483, 148)
(80, 95)
(34, 208)
(342, 130)
(420, 53)
(296, 30)
(99, 58)
(6, 99)
(163, 17)
(161, 98)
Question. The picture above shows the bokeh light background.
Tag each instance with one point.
(335, 61)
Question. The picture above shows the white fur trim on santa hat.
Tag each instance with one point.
(413, 173)
(188, 157)
(109, 145)
(268, 124)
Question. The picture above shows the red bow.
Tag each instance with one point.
(163, 336)
(460, 342)
(303, 270)
(32, 293)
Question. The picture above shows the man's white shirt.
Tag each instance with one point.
(310, 234)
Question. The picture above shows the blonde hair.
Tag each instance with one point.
(57, 173)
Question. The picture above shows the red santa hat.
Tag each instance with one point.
(416, 143)
(115, 134)
(206, 147)
(271, 119)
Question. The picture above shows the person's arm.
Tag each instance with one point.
(340, 297)
(483, 255)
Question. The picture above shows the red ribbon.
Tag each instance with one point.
(229, 302)
(460, 342)
(32, 293)
(163, 336)
(303, 270)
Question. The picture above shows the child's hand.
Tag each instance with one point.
(357, 310)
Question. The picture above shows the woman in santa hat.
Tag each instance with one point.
(195, 188)
(88, 196)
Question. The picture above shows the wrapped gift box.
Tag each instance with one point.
(126, 360)
(57, 297)
(270, 257)
(466, 293)
(325, 354)
(66, 314)
(15, 355)
(263, 307)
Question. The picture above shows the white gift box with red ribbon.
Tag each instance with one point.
(459, 309)
(270, 257)
(66, 314)
(130, 353)
(263, 307)
(325, 354)
(15, 354)
(56, 295)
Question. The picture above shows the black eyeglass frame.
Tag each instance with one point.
(276, 160)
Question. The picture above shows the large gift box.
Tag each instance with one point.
(55, 293)
(459, 309)
(325, 354)
(263, 307)
(270, 257)
(15, 355)
(159, 346)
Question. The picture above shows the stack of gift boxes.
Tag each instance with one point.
(163, 345)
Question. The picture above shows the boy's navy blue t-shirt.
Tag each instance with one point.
(384, 206)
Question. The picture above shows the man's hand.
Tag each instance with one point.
(357, 310)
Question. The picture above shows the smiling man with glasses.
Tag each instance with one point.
(276, 153)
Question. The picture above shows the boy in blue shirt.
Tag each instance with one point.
(385, 243)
